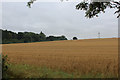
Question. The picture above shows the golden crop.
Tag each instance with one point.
(80, 56)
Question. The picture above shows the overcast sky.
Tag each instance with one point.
(57, 18)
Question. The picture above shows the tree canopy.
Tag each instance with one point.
(93, 8)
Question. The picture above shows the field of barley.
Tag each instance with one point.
(72, 56)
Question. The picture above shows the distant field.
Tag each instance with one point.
(95, 56)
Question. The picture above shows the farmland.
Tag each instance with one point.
(72, 56)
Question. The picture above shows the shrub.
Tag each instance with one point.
(5, 64)
(74, 38)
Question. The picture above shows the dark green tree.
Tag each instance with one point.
(74, 38)
(36, 37)
(50, 38)
(42, 36)
(20, 35)
(27, 37)
(54, 38)
(63, 37)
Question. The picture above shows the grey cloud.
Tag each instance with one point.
(58, 19)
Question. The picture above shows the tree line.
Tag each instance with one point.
(26, 37)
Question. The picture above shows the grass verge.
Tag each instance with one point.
(27, 71)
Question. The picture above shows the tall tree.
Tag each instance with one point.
(20, 35)
(42, 36)
(27, 37)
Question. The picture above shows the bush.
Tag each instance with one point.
(5, 64)
(74, 38)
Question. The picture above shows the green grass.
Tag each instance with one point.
(27, 71)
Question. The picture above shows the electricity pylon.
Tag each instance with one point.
(99, 35)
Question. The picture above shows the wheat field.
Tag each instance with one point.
(78, 56)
